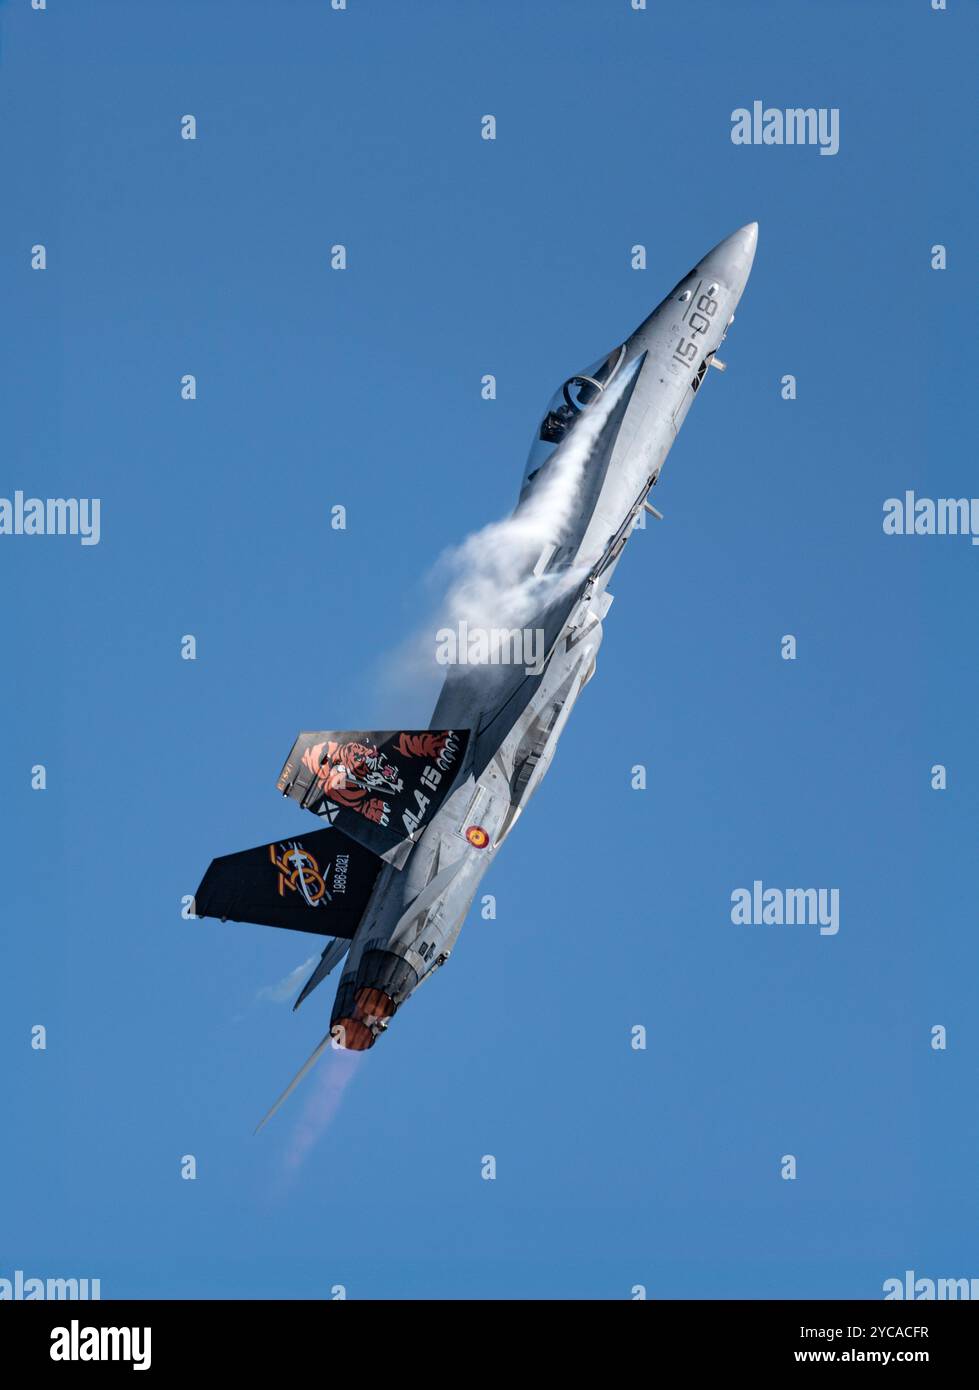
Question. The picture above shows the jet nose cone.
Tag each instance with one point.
(748, 237)
(731, 259)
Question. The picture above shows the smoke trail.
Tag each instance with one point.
(286, 987)
(323, 1100)
(488, 580)
(493, 583)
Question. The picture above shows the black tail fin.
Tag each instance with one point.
(315, 883)
(380, 788)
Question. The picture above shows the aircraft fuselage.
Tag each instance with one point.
(640, 395)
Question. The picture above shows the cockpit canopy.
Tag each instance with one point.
(565, 407)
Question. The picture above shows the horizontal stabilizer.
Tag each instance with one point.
(316, 883)
(333, 953)
(379, 788)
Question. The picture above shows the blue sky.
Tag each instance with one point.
(615, 1167)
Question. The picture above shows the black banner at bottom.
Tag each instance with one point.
(170, 1338)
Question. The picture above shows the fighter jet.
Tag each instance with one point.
(414, 817)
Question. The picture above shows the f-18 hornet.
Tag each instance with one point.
(414, 817)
